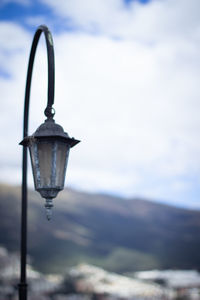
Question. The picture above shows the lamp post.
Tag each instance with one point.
(49, 150)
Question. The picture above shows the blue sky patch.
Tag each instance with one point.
(22, 14)
(4, 74)
(141, 1)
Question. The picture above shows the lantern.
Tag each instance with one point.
(49, 150)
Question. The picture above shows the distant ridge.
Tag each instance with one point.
(111, 232)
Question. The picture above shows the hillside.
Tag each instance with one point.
(117, 234)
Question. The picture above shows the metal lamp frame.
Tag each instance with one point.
(47, 129)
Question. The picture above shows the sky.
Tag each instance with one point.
(127, 85)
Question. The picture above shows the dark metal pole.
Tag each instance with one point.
(48, 112)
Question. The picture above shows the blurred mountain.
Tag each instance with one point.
(117, 234)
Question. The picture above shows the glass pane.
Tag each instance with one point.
(62, 154)
(35, 164)
(45, 162)
(49, 160)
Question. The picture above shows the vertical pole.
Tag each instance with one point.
(23, 285)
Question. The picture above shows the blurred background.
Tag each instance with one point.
(127, 85)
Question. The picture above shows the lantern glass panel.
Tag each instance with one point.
(35, 164)
(49, 159)
(45, 163)
(62, 154)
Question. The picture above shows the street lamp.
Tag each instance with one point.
(49, 150)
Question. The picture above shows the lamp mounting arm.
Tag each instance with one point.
(49, 111)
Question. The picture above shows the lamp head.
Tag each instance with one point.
(49, 149)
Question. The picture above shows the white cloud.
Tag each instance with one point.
(133, 110)
(133, 101)
(159, 20)
(36, 20)
(15, 44)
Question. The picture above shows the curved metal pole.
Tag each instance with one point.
(49, 113)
